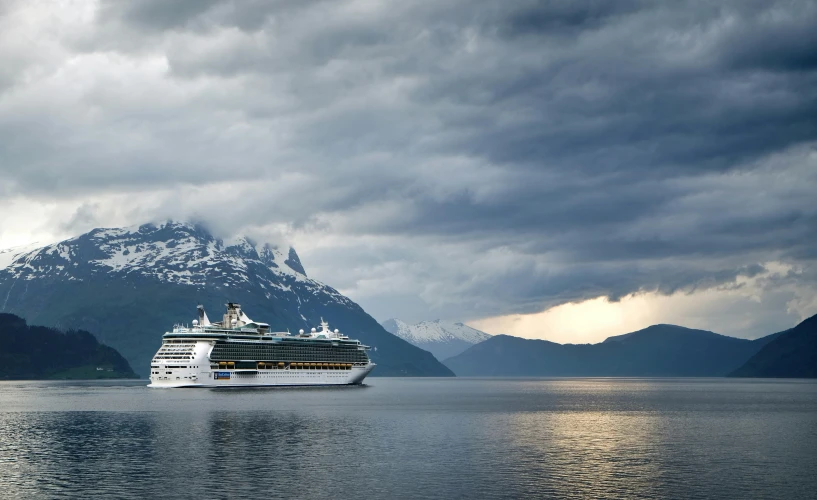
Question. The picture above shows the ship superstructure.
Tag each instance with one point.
(239, 352)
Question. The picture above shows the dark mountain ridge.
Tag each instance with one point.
(133, 284)
(38, 352)
(791, 354)
(656, 351)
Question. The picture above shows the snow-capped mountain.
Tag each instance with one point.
(173, 252)
(130, 285)
(443, 339)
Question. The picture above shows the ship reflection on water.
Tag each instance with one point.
(414, 438)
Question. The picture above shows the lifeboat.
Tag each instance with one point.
(261, 366)
(230, 364)
(280, 365)
(222, 364)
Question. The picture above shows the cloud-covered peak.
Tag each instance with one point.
(178, 252)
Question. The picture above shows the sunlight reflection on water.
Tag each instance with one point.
(440, 438)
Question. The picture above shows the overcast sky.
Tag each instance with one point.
(554, 169)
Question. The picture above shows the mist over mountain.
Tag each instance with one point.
(443, 339)
(38, 352)
(791, 354)
(656, 351)
(130, 285)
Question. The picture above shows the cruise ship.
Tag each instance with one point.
(239, 352)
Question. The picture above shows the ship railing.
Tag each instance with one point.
(187, 329)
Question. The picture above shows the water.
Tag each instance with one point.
(413, 438)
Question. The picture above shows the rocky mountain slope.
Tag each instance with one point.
(657, 351)
(793, 354)
(129, 285)
(37, 352)
(443, 339)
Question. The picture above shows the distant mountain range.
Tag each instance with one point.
(443, 339)
(791, 354)
(657, 351)
(130, 285)
(37, 352)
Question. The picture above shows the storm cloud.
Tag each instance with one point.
(459, 159)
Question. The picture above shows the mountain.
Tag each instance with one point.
(657, 351)
(443, 339)
(37, 352)
(792, 354)
(132, 284)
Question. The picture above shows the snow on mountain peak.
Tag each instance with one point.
(178, 252)
(442, 338)
(9, 255)
(435, 331)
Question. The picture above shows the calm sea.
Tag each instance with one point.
(413, 438)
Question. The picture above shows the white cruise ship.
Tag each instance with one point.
(239, 352)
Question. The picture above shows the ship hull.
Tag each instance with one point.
(264, 378)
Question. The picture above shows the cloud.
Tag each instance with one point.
(461, 159)
(777, 289)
